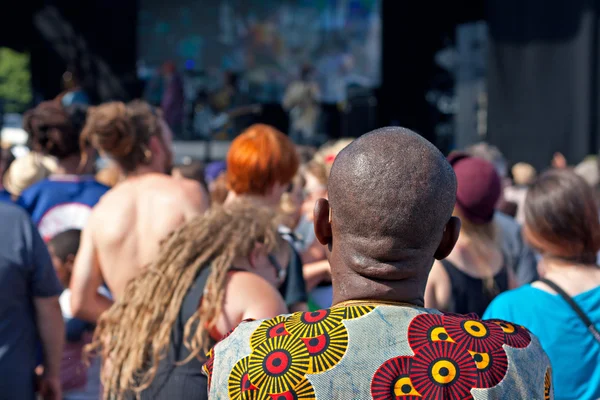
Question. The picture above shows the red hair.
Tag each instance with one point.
(259, 158)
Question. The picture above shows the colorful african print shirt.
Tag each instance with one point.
(380, 352)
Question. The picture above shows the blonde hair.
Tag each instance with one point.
(523, 174)
(329, 151)
(134, 334)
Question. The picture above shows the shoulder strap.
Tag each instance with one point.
(191, 301)
(580, 313)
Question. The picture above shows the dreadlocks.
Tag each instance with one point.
(133, 336)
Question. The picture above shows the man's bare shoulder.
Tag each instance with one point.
(164, 186)
(120, 194)
(175, 188)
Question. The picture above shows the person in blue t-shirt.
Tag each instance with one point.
(562, 225)
(65, 199)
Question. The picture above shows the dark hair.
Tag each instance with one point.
(77, 115)
(53, 130)
(306, 71)
(65, 243)
(561, 217)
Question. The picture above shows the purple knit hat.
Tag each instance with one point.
(479, 187)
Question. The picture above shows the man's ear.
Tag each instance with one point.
(322, 222)
(449, 238)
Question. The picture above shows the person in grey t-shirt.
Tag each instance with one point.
(29, 310)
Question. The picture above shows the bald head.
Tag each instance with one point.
(391, 197)
(392, 185)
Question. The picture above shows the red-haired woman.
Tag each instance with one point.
(261, 165)
(561, 223)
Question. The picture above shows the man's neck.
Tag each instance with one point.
(142, 170)
(69, 166)
(261, 201)
(368, 279)
(388, 292)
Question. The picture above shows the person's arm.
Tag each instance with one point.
(248, 296)
(45, 290)
(264, 301)
(51, 331)
(315, 273)
(438, 292)
(289, 98)
(196, 200)
(86, 303)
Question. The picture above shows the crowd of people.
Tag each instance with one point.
(360, 269)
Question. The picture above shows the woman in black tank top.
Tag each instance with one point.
(156, 338)
(475, 272)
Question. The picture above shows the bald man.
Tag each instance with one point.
(389, 215)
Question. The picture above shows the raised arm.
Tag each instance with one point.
(86, 302)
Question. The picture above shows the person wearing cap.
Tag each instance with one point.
(26, 171)
(475, 271)
(518, 255)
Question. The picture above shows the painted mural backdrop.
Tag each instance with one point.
(266, 40)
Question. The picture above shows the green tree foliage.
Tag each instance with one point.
(15, 80)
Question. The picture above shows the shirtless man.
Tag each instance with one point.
(123, 233)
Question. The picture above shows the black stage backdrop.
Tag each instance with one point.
(543, 79)
(412, 32)
(97, 37)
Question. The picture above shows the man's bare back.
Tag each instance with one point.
(124, 232)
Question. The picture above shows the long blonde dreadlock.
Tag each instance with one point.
(133, 335)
